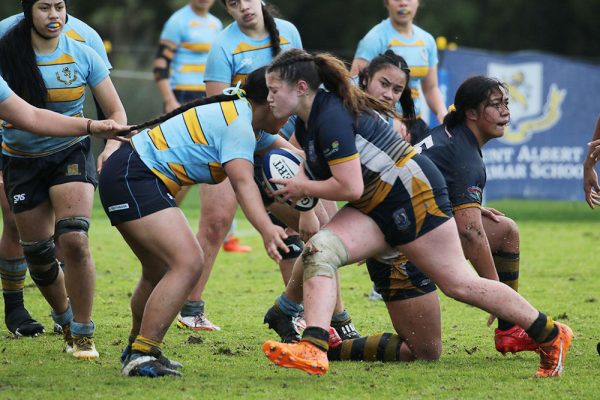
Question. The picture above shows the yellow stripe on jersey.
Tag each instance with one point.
(192, 68)
(229, 111)
(65, 94)
(399, 43)
(239, 78)
(158, 138)
(244, 47)
(217, 172)
(45, 153)
(191, 88)
(74, 35)
(196, 47)
(193, 126)
(466, 205)
(64, 59)
(172, 186)
(418, 72)
(423, 203)
(181, 174)
(342, 160)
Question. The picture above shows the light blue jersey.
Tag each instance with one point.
(234, 55)
(66, 71)
(419, 51)
(74, 28)
(5, 91)
(193, 36)
(192, 147)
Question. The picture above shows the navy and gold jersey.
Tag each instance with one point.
(458, 156)
(334, 137)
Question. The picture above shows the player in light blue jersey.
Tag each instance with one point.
(250, 42)
(13, 267)
(203, 141)
(11, 253)
(50, 179)
(183, 49)
(418, 48)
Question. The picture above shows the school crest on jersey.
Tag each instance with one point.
(69, 77)
(475, 193)
(531, 109)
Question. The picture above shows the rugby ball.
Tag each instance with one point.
(283, 164)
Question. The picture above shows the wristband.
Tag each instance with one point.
(89, 127)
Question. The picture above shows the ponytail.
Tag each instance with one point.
(322, 68)
(19, 65)
(472, 93)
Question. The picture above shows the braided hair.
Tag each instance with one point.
(470, 95)
(323, 68)
(255, 89)
(269, 13)
(18, 62)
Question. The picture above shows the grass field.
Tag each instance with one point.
(559, 275)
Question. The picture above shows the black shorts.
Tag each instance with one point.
(396, 278)
(185, 96)
(404, 217)
(27, 180)
(129, 190)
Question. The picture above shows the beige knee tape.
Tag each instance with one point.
(323, 255)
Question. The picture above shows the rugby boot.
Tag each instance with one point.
(514, 340)
(232, 245)
(346, 330)
(171, 364)
(302, 355)
(20, 323)
(84, 348)
(197, 322)
(333, 340)
(554, 352)
(138, 364)
(282, 324)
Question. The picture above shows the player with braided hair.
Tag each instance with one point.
(50, 181)
(204, 141)
(397, 199)
(248, 43)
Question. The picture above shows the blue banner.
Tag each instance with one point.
(554, 104)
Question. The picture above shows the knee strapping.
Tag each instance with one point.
(73, 224)
(41, 252)
(47, 277)
(295, 246)
(323, 255)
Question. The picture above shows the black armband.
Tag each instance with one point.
(160, 73)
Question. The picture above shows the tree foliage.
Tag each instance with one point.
(564, 27)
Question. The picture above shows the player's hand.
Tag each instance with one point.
(109, 129)
(111, 147)
(273, 237)
(293, 189)
(491, 213)
(590, 186)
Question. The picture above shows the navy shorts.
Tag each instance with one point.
(27, 181)
(396, 278)
(129, 190)
(185, 96)
(409, 213)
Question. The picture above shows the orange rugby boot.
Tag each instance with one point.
(554, 352)
(302, 355)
